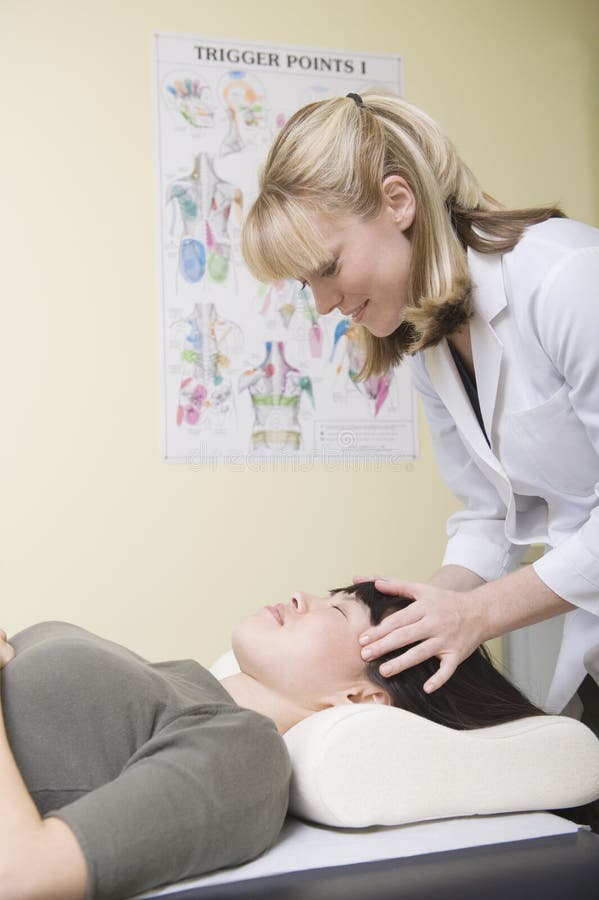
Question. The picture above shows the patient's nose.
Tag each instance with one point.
(298, 601)
(303, 602)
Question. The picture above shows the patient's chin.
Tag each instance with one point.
(237, 641)
(245, 643)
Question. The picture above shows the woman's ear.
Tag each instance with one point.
(399, 199)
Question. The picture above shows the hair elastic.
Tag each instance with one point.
(357, 99)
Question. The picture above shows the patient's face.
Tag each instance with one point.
(306, 649)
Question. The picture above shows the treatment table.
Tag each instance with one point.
(522, 856)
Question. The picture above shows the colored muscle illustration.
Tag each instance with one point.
(192, 98)
(205, 382)
(276, 388)
(208, 207)
(375, 387)
(290, 298)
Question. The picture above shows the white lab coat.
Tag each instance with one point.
(535, 343)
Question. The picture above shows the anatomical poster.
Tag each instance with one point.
(250, 370)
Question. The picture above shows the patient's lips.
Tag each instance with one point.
(277, 612)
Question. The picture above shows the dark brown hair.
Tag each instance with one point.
(476, 695)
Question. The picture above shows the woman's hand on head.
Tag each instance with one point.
(6, 650)
(443, 623)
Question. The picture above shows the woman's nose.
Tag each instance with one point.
(326, 298)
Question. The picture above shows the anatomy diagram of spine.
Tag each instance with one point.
(209, 209)
(288, 298)
(250, 366)
(375, 387)
(205, 389)
(275, 388)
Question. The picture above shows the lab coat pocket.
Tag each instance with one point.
(556, 443)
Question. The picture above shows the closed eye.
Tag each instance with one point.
(341, 611)
(330, 270)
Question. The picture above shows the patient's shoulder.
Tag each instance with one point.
(64, 655)
(45, 636)
(42, 632)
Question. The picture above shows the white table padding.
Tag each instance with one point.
(302, 845)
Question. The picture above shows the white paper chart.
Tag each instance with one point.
(250, 369)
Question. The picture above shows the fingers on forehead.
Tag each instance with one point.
(400, 588)
(397, 620)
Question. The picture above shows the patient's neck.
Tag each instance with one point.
(247, 691)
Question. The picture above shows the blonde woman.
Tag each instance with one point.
(497, 311)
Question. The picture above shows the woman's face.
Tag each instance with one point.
(369, 263)
(306, 649)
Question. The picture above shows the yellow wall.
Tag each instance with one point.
(94, 527)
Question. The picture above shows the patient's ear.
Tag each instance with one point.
(370, 693)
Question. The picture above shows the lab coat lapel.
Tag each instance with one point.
(489, 300)
(448, 385)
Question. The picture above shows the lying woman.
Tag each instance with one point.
(118, 775)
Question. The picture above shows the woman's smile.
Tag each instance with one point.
(358, 314)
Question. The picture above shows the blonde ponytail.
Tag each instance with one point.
(332, 157)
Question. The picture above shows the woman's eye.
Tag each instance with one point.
(341, 611)
(332, 270)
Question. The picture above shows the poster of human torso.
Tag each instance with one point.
(251, 369)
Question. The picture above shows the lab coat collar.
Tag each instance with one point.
(487, 283)
(489, 300)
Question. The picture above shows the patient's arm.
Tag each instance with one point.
(39, 858)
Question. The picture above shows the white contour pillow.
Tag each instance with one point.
(360, 765)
